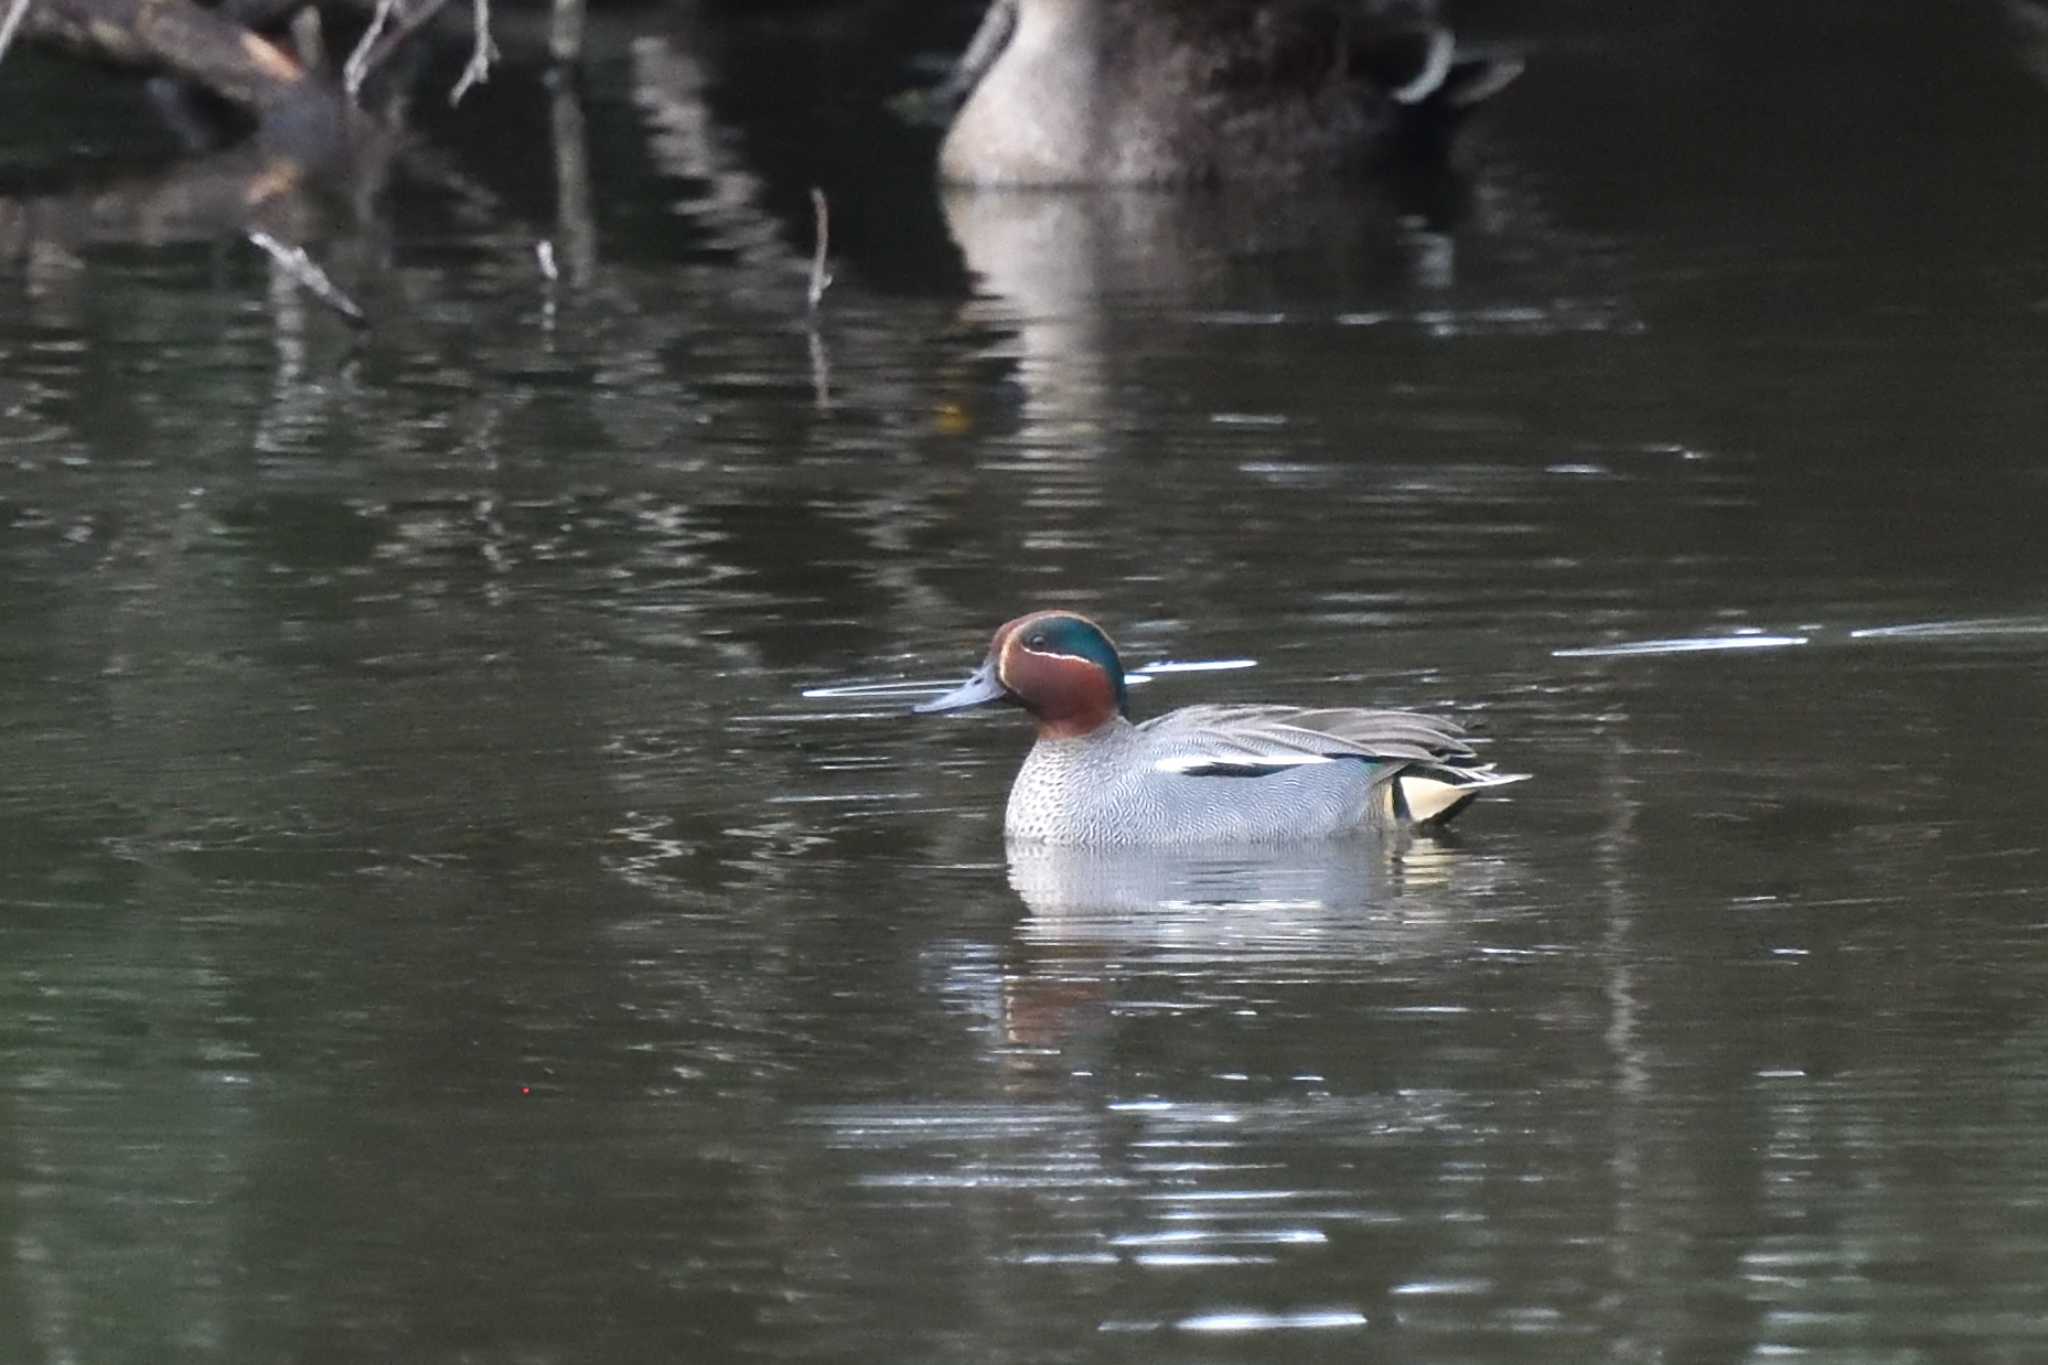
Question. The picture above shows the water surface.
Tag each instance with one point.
(435, 926)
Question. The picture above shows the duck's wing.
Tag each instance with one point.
(1432, 773)
(1247, 740)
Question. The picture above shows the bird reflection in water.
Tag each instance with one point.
(1097, 918)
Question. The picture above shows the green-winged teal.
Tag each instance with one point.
(1204, 773)
(1163, 92)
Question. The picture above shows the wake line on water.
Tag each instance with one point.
(910, 688)
(1989, 627)
(1693, 645)
(1973, 628)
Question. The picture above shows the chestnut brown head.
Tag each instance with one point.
(1057, 665)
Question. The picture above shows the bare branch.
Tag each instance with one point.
(357, 68)
(480, 56)
(394, 22)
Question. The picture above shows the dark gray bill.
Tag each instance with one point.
(978, 690)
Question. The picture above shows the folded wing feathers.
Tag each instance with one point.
(1253, 737)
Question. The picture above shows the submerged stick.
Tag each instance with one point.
(821, 279)
(308, 275)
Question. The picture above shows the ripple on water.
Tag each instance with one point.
(1176, 1189)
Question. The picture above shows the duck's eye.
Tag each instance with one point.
(1036, 640)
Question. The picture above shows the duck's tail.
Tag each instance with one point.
(1434, 794)
(1416, 61)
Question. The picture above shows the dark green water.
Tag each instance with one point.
(434, 926)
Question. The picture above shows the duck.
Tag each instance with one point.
(1184, 92)
(1234, 773)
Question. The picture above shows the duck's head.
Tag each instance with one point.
(1058, 666)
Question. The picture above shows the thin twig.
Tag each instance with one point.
(309, 276)
(479, 69)
(357, 68)
(16, 12)
(409, 22)
(821, 278)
